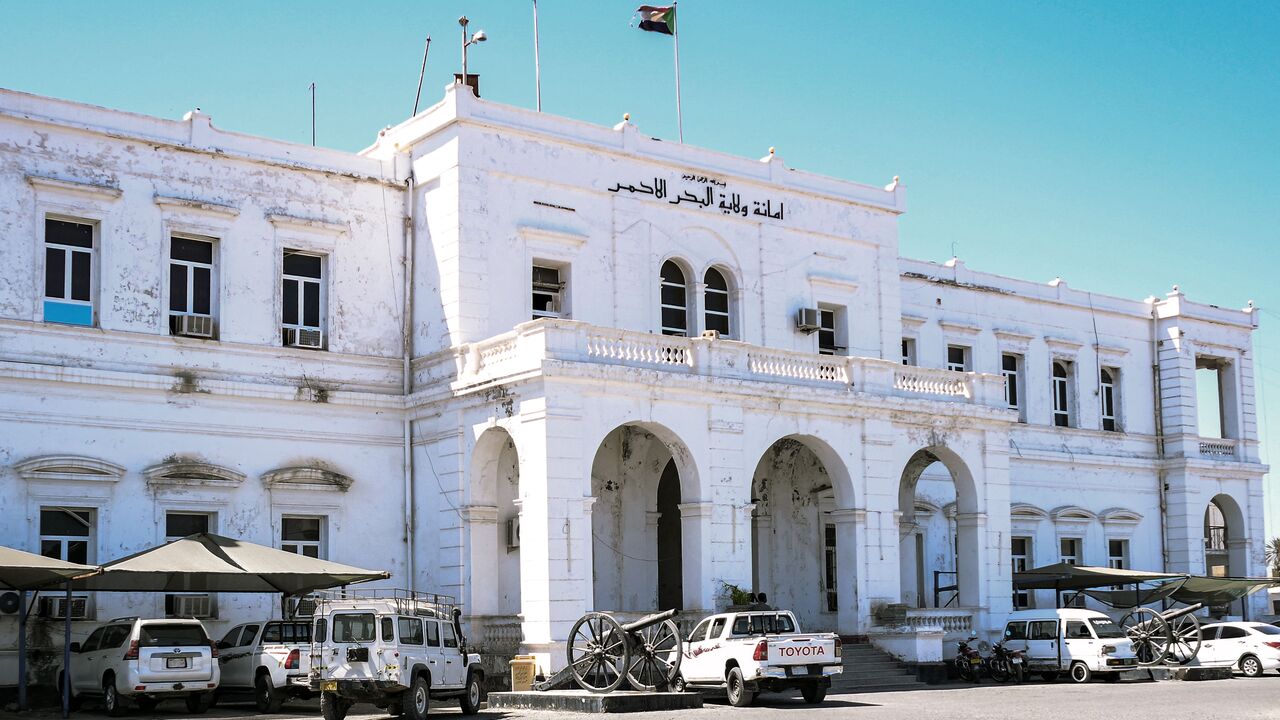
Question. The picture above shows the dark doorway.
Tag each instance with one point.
(670, 572)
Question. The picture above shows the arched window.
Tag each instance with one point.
(675, 300)
(716, 302)
(1061, 399)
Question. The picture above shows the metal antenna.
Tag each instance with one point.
(313, 114)
(421, 74)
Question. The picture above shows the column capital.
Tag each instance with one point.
(479, 514)
(696, 509)
(974, 519)
(651, 518)
(849, 515)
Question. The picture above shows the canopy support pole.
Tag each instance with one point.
(66, 655)
(22, 650)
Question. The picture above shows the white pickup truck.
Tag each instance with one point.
(271, 659)
(748, 652)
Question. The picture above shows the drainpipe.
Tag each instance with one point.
(410, 235)
(1158, 410)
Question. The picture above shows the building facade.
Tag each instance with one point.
(549, 367)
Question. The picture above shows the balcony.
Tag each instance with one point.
(531, 344)
(1218, 449)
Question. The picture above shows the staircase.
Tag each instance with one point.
(868, 669)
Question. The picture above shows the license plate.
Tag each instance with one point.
(800, 671)
(975, 661)
(1016, 661)
(329, 686)
(175, 662)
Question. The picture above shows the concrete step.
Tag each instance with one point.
(877, 674)
(877, 687)
(868, 669)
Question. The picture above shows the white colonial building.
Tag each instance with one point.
(623, 374)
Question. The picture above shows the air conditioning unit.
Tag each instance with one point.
(191, 325)
(191, 606)
(711, 334)
(303, 338)
(9, 603)
(56, 607)
(513, 532)
(808, 320)
(306, 607)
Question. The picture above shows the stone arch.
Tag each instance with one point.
(491, 517)
(940, 556)
(644, 485)
(801, 490)
(1226, 538)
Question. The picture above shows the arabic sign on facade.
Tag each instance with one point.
(712, 194)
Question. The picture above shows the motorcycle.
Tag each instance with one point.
(1004, 664)
(968, 661)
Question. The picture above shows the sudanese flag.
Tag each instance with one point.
(658, 18)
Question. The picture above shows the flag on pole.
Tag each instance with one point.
(658, 18)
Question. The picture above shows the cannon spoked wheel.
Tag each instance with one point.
(1150, 634)
(1185, 630)
(655, 658)
(599, 654)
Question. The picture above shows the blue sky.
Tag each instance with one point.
(1122, 146)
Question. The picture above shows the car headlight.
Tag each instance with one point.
(1108, 649)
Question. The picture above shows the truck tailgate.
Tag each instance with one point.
(803, 650)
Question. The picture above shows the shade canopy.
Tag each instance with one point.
(1219, 590)
(27, 571)
(1065, 576)
(212, 563)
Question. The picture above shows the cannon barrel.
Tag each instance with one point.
(649, 620)
(1176, 613)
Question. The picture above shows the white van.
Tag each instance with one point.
(1079, 642)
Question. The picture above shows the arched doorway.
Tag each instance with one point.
(638, 556)
(794, 537)
(1225, 540)
(492, 520)
(939, 532)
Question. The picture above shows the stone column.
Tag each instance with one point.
(696, 534)
(847, 522)
(762, 553)
(482, 537)
(971, 570)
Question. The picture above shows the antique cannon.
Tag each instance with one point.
(603, 652)
(1173, 635)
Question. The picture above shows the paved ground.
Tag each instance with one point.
(1237, 699)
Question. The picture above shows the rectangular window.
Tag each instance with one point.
(1021, 554)
(908, 351)
(191, 287)
(1118, 554)
(178, 525)
(304, 535)
(829, 567)
(433, 633)
(547, 290)
(957, 358)
(1062, 393)
(450, 640)
(68, 272)
(1070, 548)
(1108, 380)
(303, 295)
(828, 343)
(67, 534)
(1211, 406)
(1009, 368)
(410, 631)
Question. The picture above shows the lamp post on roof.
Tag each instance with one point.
(478, 37)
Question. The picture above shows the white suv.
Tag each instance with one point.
(143, 662)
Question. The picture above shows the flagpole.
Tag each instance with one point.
(537, 66)
(675, 34)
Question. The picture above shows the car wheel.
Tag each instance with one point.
(814, 693)
(72, 697)
(265, 695)
(395, 708)
(739, 695)
(146, 704)
(418, 704)
(1049, 676)
(679, 685)
(1080, 673)
(470, 699)
(333, 707)
(1251, 666)
(199, 703)
(111, 701)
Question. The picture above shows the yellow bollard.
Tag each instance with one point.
(523, 668)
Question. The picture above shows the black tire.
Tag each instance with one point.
(333, 707)
(73, 698)
(146, 704)
(814, 693)
(1080, 673)
(1018, 675)
(417, 703)
(1000, 670)
(739, 695)
(471, 695)
(199, 703)
(679, 685)
(112, 703)
(1050, 676)
(395, 708)
(265, 695)
(1251, 666)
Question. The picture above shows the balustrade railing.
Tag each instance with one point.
(1219, 449)
(949, 620)
(928, 381)
(797, 366)
(495, 633)
(640, 348)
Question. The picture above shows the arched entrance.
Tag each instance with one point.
(794, 537)
(492, 520)
(638, 556)
(1226, 544)
(939, 532)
